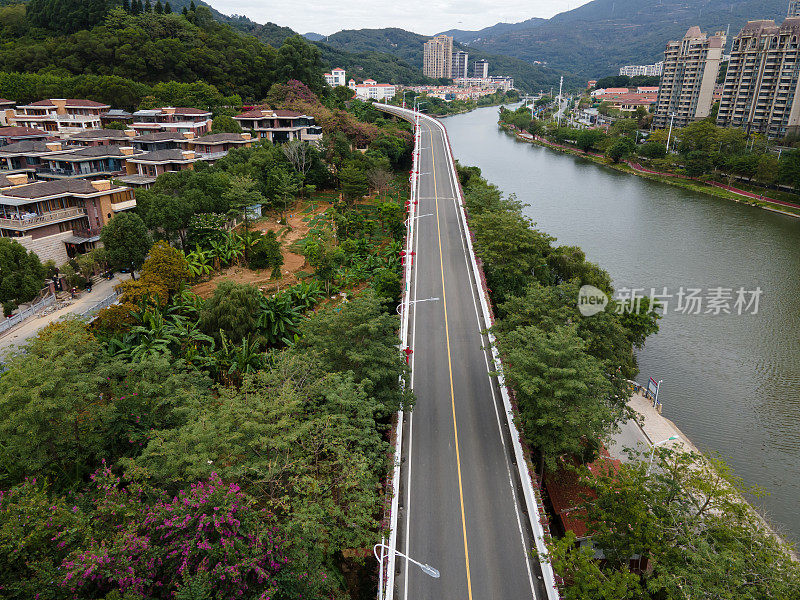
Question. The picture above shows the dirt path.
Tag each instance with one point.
(298, 219)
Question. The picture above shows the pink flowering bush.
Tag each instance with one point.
(209, 532)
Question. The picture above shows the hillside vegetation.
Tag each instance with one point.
(149, 49)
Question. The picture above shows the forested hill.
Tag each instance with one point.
(116, 59)
(408, 47)
(597, 38)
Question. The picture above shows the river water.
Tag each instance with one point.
(730, 382)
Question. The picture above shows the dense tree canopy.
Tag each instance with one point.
(21, 273)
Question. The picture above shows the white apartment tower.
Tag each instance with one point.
(761, 92)
(480, 69)
(437, 59)
(794, 8)
(691, 66)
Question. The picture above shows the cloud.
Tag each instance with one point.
(421, 16)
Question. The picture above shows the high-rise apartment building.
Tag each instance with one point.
(691, 66)
(438, 57)
(761, 92)
(794, 8)
(480, 69)
(460, 63)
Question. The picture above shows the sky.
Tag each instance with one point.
(421, 16)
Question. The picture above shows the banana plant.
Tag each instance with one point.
(199, 261)
(279, 319)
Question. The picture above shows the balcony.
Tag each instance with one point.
(32, 221)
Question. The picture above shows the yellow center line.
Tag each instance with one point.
(450, 368)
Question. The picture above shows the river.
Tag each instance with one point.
(730, 382)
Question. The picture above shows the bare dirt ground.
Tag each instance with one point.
(296, 228)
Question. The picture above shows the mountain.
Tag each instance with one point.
(313, 37)
(407, 46)
(597, 38)
(469, 37)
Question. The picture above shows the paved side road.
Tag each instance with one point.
(18, 336)
(460, 506)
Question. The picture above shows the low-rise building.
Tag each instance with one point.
(335, 78)
(279, 126)
(163, 140)
(9, 135)
(654, 70)
(102, 137)
(216, 145)
(143, 169)
(61, 116)
(59, 219)
(27, 156)
(86, 162)
(372, 90)
(169, 118)
(116, 115)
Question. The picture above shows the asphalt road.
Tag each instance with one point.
(461, 506)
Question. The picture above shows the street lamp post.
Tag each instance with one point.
(669, 135)
(653, 450)
(427, 569)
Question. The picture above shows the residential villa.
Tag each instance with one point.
(216, 145)
(372, 90)
(102, 137)
(9, 135)
(335, 77)
(279, 126)
(91, 162)
(143, 169)
(27, 156)
(116, 115)
(60, 116)
(179, 120)
(162, 140)
(59, 219)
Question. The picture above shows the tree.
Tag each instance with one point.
(301, 156)
(355, 183)
(159, 8)
(562, 394)
(697, 163)
(21, 273)
(589, 138)
(687, 517)
(148, 8)
(652, 149)
(167, 8)
(225, 124)
(621, 148)
(166, 265)
(127, 241)
(67, 16)
(283, 188)
(360, 337)
(232, 310)
(299, 60)
(266, 253)
(66, 404)
(789, 171)
(243, 197)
